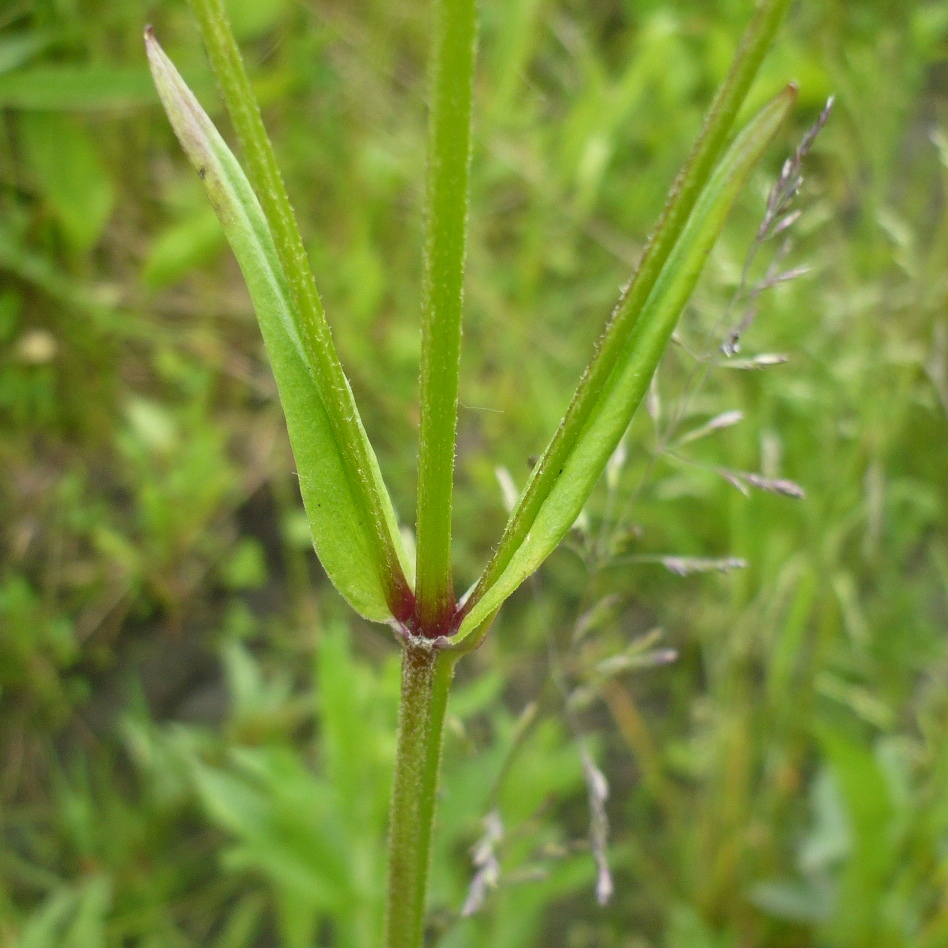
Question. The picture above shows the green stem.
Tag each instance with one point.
(427, 672)
(454, 29)
(684, 196)
(264, 174)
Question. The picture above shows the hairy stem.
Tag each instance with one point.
(453, 38)
(427, 672)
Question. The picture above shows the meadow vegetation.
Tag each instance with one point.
(196, 735)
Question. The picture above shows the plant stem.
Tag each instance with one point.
(427, 672)
(453, 37)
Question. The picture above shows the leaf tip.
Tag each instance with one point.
(789, 94)
(157, 60)
(193, 128)
(154, 52)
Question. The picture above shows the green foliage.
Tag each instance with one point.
(55, 88)
(318, 838)
(325, 424)
(312, 828)
(822, 664)
(649, 304)
(41, 644)
(342, 521)
(382, 561)
(570, 473)
(70, 918)
(181, 247)
(79, 191)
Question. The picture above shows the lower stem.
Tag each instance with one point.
(427, 672)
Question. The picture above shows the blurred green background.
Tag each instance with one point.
(195, 736)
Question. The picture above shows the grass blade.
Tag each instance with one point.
(613, 405)
(343, 530)
(449, 155)
(359, 462)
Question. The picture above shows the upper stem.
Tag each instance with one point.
(427, 672)
(449, 152)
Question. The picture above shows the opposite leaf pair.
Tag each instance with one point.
(353, 522)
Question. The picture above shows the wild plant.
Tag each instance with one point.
(354, 525)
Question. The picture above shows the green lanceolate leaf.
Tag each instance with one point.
(343, 526)
(267, 182)
(684, 195)
(611, 406)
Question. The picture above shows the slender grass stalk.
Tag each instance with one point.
(264, 175)
(427, 671)
(449, 154)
